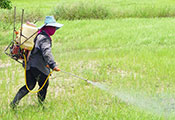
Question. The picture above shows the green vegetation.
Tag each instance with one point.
(81, 10)
(132, 55)
(6, 4)
(115, 9)
(90, 9)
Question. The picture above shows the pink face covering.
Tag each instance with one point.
(49, 30)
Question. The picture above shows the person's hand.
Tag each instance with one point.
(56, 69)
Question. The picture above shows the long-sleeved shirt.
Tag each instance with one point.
(41, 54)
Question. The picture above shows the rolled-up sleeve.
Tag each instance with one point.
(45, 47)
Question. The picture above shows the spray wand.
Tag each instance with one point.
(75, 76)
(57, 69)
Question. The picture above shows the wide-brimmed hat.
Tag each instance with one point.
(50, 21)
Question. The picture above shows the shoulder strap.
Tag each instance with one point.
(34, 43)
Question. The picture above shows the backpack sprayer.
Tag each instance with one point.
(21, 46)
(23, 43)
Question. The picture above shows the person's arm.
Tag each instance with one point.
(45, 47)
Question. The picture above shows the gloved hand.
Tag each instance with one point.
(56, 69)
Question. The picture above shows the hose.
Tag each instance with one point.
(26, 79)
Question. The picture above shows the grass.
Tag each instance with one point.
(81, 10)
(114, 9)
(128, 54)
(131, 55)
(90, 9)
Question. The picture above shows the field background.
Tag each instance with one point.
(131, 50)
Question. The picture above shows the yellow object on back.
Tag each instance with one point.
(29, 32)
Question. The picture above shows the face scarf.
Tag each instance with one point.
(49, 30)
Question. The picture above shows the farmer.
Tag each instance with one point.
(40, 61)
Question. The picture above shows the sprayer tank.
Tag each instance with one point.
(29, 32)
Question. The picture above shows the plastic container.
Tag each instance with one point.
(29, 32)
